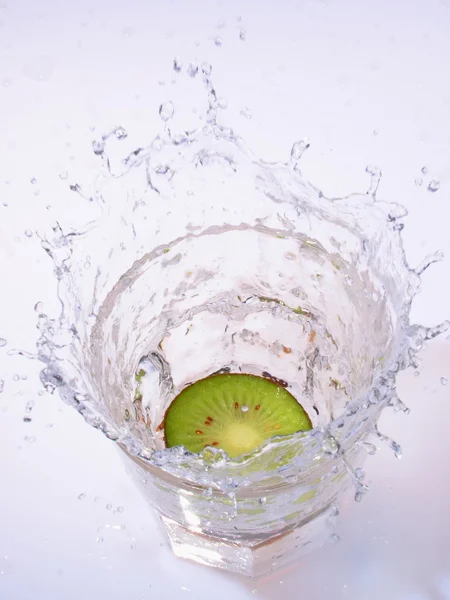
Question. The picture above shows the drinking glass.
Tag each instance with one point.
(206, 259)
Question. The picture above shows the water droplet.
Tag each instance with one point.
(242, 35)
(166, 111)
(263, 500)
(444, 380)
(29, 406)
(108, 507)
(424, 170)
(335, 538)
(218, 41)
(63, 175)
(121, 133)
(119, 509)
(434, 185)
(177, 65)
(30, 439)
(3, 342)
(348, 280)
(246, 112)
(2, 385)
(81, 496)
(418, 181)
(98, 147)
(330, 445)
(33, 181)
(133, 546)
(244, 408)
(16, 377)
(28, 233)
(192, 69)
(23, 377)
(298, 149)
(206, 69)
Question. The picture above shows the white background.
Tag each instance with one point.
(365, 83)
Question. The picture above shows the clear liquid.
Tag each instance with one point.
(206, 258)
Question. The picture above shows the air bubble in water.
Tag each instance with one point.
(434, 185)
(444, 380)
(244, 408)
(166, 111)
(3, 342)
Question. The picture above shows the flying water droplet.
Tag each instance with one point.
(81, 496)
(30, 439)
(246, 112)
(434, 185)
(206, 69)
(424, 170)
(166, 111)
(121, 133)
(3, 342)
(335, 538)
(192, 70)
(108, 506)
(242, 35)
(177, 65)
(28, 233)
(98, 147)
(29, 406)
(16, 377)
(418, 181)
(2, 385)
(218, 41)
(298, 149)
(444, 380)
(38, 307)
(119, 509)
(33, 181)
(63, 175)
(375, 178)
(263, 501)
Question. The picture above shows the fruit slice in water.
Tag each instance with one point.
(234, 412)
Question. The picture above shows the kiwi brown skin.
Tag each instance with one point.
(277, 383)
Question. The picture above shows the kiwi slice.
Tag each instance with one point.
(234, 412)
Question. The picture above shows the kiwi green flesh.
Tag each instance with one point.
(234, 412)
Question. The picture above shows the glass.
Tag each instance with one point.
(205, 259)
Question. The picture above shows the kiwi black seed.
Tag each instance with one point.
(234, 412)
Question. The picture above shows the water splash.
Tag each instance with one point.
(173, 276)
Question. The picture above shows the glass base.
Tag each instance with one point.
(251, 559)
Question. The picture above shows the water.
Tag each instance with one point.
(212, 259)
